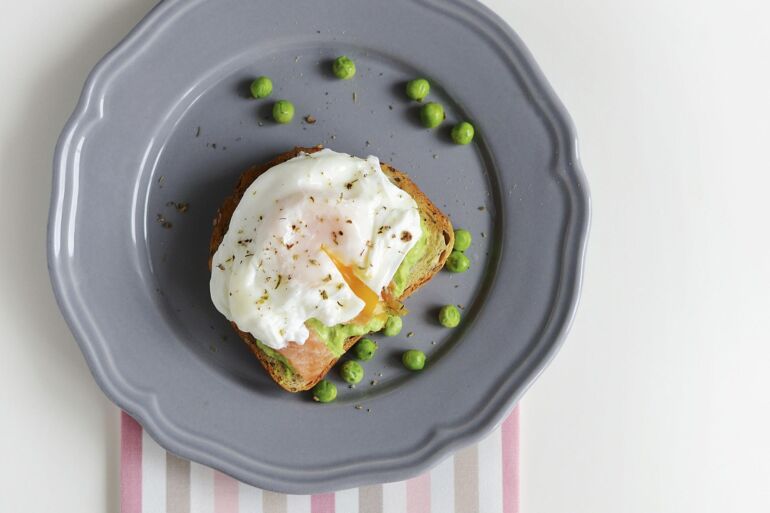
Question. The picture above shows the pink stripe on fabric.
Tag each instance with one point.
(322, 503)
(510, 434)
(130, 465)
(225, 493)
(418, 494)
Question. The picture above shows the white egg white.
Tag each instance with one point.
(271, 274)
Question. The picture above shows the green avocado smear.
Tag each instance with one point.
(275, 355)
(401, 278)
(335, 336)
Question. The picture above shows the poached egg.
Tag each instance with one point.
(316, 237)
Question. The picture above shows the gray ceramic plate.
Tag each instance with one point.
(165, 118)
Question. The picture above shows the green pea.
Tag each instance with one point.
(417, 89)
(283, 111)
(392, 326)
(365, 349)
(352, 372)
(449, 316)
(457, 262)
(344, 67)
(462, 133)
(463, 239)
(432, 114)
(413, 359)
(325, 391)
(261, 87)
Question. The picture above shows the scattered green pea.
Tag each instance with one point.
(344, 67)
(283, 111)
(463, 239)
(262, 87)
(413, 359)
(325, 391)
(449, 316)
(365, 349)
(457, 262)
(393, 326)
(352, 372)
(417, 89)
(462, 133)
(432, 114)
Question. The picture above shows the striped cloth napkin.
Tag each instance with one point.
(480, 479)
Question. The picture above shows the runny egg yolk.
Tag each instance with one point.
(359, 288)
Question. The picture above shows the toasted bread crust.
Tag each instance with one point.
(438, 223)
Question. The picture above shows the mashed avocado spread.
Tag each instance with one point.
(275, 355)
(335, 336)
(401, 278)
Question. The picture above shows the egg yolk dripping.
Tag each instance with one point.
(359, 288)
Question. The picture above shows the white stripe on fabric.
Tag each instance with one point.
(346, 501)
(201, 489)
(153, 475)
(298, 503)
(491, 473)
(394, 497)
(442, 494)
(249, 499)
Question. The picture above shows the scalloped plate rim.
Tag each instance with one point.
(153, 419)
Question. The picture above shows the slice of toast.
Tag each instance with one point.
(312, 360)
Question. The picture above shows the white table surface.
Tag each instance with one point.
(658, 401)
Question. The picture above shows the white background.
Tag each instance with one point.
(658, 401)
